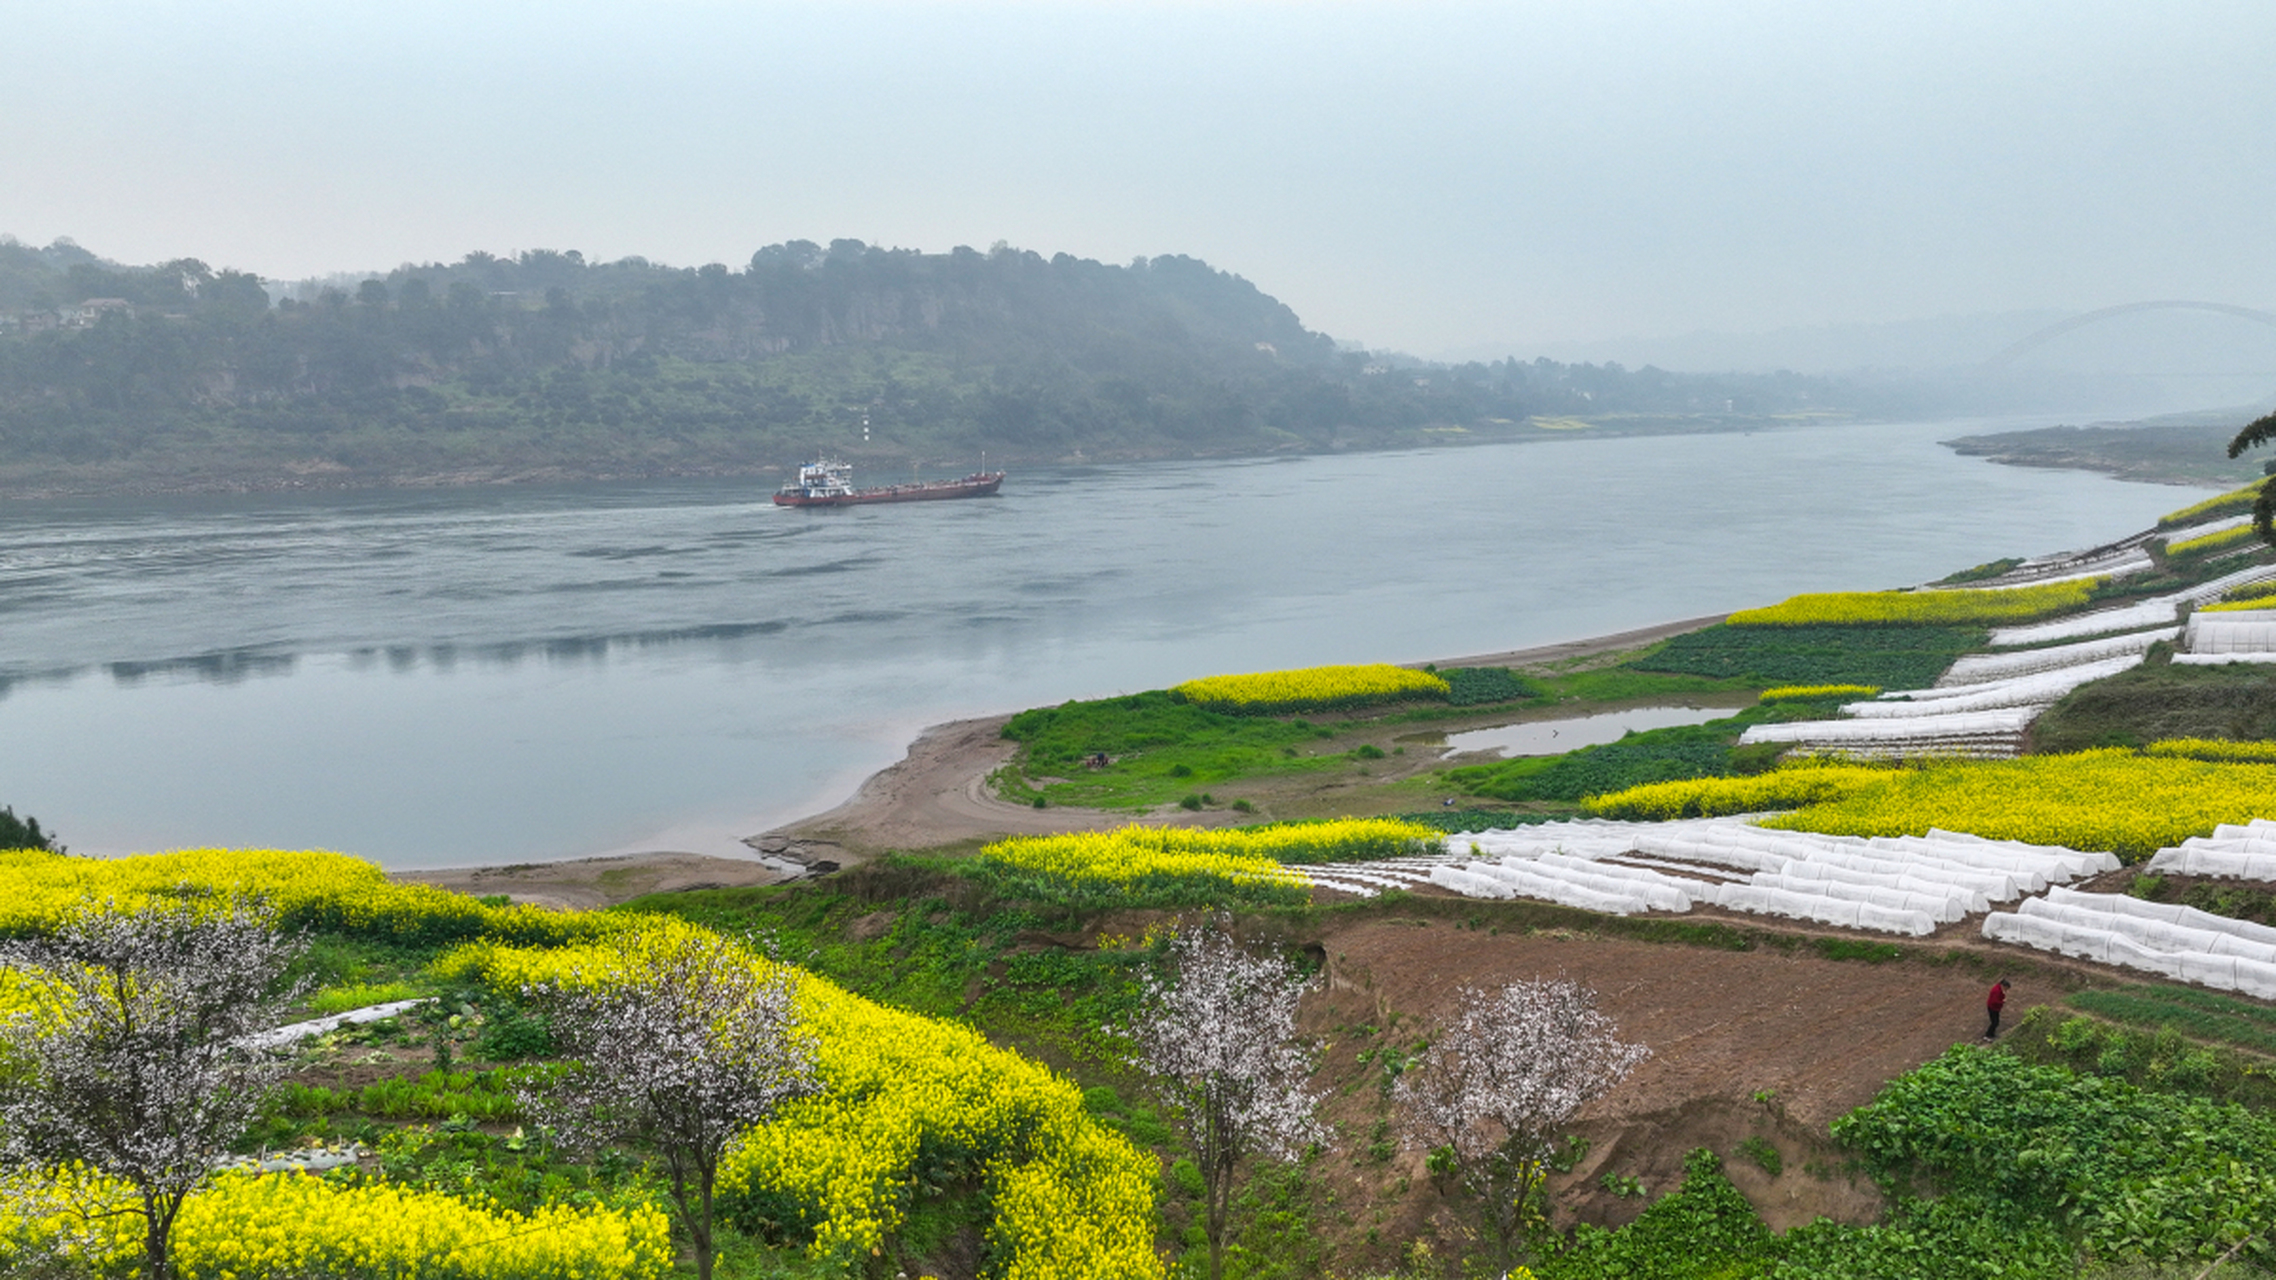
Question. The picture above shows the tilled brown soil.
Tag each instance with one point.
(1822, 1035)
(1749, 1045)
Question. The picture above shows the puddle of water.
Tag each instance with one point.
(1555, 737)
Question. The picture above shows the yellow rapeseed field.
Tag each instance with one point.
(1073, 1201)
(2214, 749)
(2265, 600)
(306, 889)
(1818, 692)
(1071, 1198)
(1311, 688)
(1921, 608)
(298, 1224)
(2230, 503)
(2112, 799)
(1240, 854)
(2219, 540)
(1798, 784)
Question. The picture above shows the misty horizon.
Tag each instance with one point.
(1440, 178)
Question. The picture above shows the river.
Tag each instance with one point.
(465, 676)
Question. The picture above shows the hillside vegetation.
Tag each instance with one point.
(547, 365)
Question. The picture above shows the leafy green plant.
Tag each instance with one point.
(1892, 657)
(1758, 1151)
(1621, 1184)
(1475, 686)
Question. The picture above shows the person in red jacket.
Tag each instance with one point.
(1993, 1003)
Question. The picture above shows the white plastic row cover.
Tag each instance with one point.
(1904, 730)
(1977, 668)
(1665, 890)
(2157, 935)
(2221, 659)
(1847, 912)
(1492, 880)
(1650, 888)
(2062, 569)
(2231, 852)
(2080, 862)
(2172, 913)
(2220, 864)
(1943, 907)
(2038, 689)
(2159, 611)
(1970, 898)
(2162, 611)
(1995, 886)
(2221, 972)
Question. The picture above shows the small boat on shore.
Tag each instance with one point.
(830, 484)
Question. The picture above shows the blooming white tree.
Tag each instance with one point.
(1221, 1040)
(679, 1057)
(140, 1059)
(1494, 1091)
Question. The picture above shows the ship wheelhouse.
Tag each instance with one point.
(824, 479)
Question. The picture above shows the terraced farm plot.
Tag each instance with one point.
(1885, 657)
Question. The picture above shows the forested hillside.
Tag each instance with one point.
(180, 376)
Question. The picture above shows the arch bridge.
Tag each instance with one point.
(2033, 341)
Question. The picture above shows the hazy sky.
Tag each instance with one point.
(1422, 175)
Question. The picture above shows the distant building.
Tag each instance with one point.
(88, 314)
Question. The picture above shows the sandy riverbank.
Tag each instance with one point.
(936, 795)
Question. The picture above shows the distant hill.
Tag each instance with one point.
(181, 377)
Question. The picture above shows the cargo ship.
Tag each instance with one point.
(830, 484)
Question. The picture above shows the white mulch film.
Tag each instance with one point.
(2231, 853)
(2116, 564)
(1982, 705)
(1904, 885)
(2039, 689)
(1990, 733)
(297, 1031)
(2174, 942)
(1911, 884)
(2111, 560)
(2161, 611)
(2220, 659)
(1981, 668)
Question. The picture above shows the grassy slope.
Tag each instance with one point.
(2152, 702)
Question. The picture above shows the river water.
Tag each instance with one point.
(468, 676)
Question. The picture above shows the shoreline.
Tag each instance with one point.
(934, 796)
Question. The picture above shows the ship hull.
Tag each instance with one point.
(978, 486)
